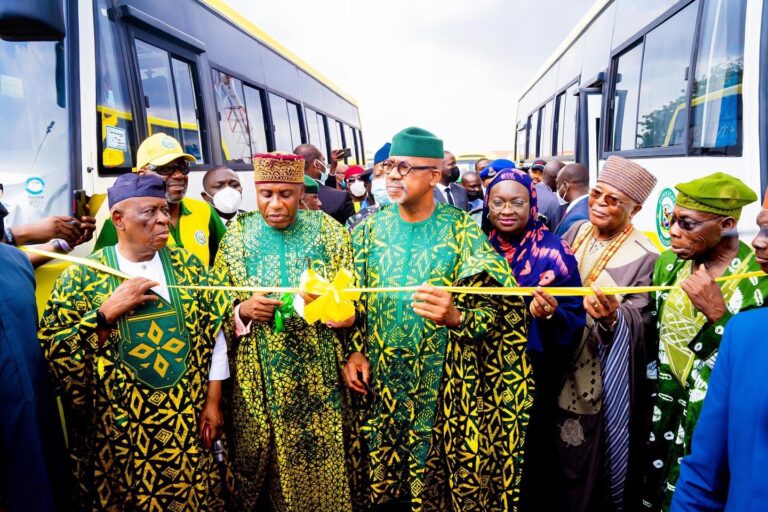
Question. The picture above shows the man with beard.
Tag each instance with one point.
(691, 317)
(447, 190)
(730, 438)
(447, 377)
(195, 225)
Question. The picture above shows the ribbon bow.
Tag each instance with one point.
(333, 302)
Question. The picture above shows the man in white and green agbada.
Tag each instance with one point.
(690, 319)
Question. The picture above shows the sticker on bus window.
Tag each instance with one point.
(12, 86)
(664, 206)
(116, 138)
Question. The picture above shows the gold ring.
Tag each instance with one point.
(547, 308)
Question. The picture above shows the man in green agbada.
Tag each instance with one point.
(691, 318)
(288, 430)
(445, 377)
(139, 364)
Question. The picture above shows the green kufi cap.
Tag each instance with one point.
(416, 142)
(311, 185)
(718, 193)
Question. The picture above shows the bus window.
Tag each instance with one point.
(597, 44)
(528, 138)
(348, 142)
(285, 123)
(566, 131)
(171, 110)
(113, 106)
(716, 98)
(632, 16)
(233, 118)
(316, 128)
(627, 82)
(663, 88)
(336, 139)
(35, 168)
(533, 146)
(520, 145)
(546, 131)
(254, 107)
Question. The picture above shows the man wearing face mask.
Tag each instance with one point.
(378, 189)
(223, 191)
(357, 184)
(572, 190)
(448, 191)
(335, 203)
(474, 187)
(195, 225)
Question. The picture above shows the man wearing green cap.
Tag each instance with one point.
(691, 317)
(445, 377)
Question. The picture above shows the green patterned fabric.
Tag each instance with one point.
(287, 424)
(688, 349)
(133, 404)
(447, 426)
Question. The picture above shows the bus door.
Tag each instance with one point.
(589, 124)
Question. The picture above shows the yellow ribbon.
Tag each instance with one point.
(338, 291)
(335, 300)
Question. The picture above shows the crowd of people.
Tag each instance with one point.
(180, 389)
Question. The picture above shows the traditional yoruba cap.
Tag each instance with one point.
(160, 149)
(354, 170)
(382, 154)
(495, 166)
(416, 142)
(311, 185)
(278, 167)
(718, 193)
(629, 177)
(135, 185)
(538, 165)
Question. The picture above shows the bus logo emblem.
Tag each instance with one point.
(664, 207)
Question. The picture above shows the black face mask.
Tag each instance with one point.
(472, 196)
(3, 215)
(455, 175)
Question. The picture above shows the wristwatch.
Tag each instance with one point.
(9, 238)
(101, 320)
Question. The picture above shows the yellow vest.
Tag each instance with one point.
(193, 229)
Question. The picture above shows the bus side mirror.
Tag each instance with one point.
(32, 20)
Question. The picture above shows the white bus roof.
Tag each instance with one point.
(579, 29)
(233, 15)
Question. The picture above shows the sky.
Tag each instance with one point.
(454, 67)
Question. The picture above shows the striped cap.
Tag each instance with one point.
(629, 177)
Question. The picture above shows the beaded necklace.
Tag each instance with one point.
(607, 254)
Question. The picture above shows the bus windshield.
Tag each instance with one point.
(34, 146)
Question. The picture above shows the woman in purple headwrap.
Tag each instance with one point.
(537, 258)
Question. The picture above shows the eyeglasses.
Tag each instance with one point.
(611, 201)
(687, 224)
(403, 167)
(171, 168)
(498, 206)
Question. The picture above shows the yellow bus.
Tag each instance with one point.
(677, 85)
(87, 80)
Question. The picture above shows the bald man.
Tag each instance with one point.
(572, 185)
(549, 206)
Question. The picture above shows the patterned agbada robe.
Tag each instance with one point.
(446, 428)
(688, 348)
(133, 403)
(287, 426)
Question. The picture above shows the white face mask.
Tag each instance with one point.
(379, 190)
(325, 173)
(357, 188)
(227, 200)
(560, 198)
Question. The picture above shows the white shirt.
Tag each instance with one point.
(443, 189)
(153, 270)
(573, 203)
